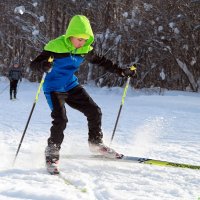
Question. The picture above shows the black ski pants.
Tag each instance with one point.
(80, 100)
(13, 87)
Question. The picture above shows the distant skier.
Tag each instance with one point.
(60, 59)
(15, 75)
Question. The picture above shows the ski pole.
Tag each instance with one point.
(34, 104)
(122, 103)
(50, 60)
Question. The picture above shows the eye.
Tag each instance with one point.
(82, 40)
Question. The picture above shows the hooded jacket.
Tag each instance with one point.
(67, 59)
(79, 24)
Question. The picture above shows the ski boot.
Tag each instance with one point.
(52, 158)
(102, 149)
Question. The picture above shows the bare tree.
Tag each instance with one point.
(159, 37)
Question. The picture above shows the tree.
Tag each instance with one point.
(159, 37)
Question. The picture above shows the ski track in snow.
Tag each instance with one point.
(152, 126)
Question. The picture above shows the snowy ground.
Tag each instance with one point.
(155, 126)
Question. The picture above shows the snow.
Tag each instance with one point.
(41, 19)
(176, 30)
(155, 126)
(160, 28)
(35, 4)
(35, 32)
(162, 74)
(171, 25)
(20, 10)
(194, 61)
(185, 46)
(147, 7)
(117, 39)
(125, 14)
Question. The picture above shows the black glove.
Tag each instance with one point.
(46, 66)
(128, 72)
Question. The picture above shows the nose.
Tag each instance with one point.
(80, 44)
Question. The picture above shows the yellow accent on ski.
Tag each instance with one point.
(170, 164)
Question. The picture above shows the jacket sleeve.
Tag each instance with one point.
(37, 63)
(102, 61)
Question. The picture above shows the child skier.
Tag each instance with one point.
(14, 76)
(60, 59)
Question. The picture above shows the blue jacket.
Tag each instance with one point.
(61, 78)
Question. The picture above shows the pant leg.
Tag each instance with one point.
(15, 82)
(11, 88)
(56, 101)
(80, 100)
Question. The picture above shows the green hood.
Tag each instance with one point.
(79, 24)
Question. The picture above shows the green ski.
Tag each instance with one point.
(135, 160)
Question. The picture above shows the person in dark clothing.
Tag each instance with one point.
(60, 59)
(15, 75)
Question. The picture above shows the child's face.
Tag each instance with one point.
(77, 42)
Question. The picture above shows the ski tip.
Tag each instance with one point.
(84, 190)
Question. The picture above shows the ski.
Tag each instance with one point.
(133, 159)
(61, 176)
(68, 182)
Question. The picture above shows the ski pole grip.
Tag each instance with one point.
(133, 68)
(50, 59)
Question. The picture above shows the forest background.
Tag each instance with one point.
(160, 37)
